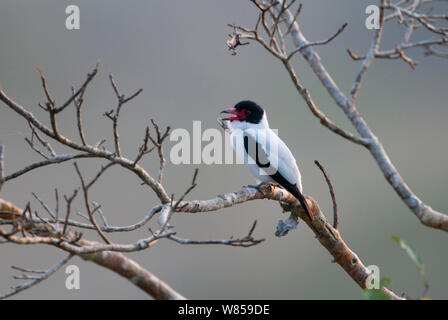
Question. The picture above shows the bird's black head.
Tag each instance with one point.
(245, 110)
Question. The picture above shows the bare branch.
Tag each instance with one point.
(44, 205)
(85, 189)
(80, 91)
(78, 106)
(392, 54)
(296, 15)
(254, 35)
(317, 43)
(135, 273)
(422, 18)
(368, 60)
(108, 228)
(247, 241)
(50, 100)
(115, 115)
(69, 201)
(324, 120)
(41, 140)
(2, 167)
(55, 160)
(328, 236)
(139, 245)
(234, 42)
(91, 151)
(113, 261)
(144, 147)
(275, 24)
(431, 51)
(158, 143)
(192, 186)
(45, 274)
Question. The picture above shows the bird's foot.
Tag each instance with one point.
(286, 207)
(257, 187)
(264, 187)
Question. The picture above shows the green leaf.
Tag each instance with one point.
(417, 260)
(376, 294)
(411, 253)
(385, 281)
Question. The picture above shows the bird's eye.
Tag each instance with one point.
(247, 112)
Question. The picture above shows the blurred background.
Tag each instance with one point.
(176, 52)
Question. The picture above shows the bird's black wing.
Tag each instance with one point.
(292, 188)
(257, 153)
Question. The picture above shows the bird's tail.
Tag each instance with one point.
(299, 196)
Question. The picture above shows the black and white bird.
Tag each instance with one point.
(265, 155)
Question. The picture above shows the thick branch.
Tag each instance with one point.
(131, 270)
(328, 236)
(113, 261)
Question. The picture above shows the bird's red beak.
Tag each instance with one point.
(238, 115)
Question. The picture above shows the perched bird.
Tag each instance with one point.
(265, 155)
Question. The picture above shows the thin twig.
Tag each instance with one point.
(50, 100)
(296, 15)
(78, 106)
(80, 91)
(368, 60)
(317, 43)
(143, 150)
(85, 188)
(43, 275)
(42, 141)
(114, 115)
(158, 143)
(245, 242)
(69, 201)
(2, 166)
(333, 197)
(44, 205)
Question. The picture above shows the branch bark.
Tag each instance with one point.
(328, 236)
(131, 270)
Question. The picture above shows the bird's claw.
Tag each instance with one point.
(286, 207)
(256, 187)
(263, 187)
